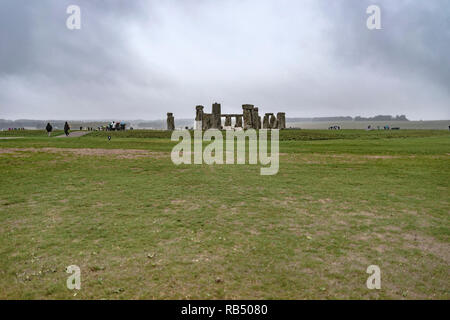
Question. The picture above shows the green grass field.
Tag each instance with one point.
(140, 227)
(29, 133)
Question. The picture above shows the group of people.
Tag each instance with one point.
(87, 128)
(334, 128)
(49, 129)
(115, 126)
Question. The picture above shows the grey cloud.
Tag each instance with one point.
(414, 40)
(141, 59)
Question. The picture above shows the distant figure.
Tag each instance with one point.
(66, 129)
(49, 129)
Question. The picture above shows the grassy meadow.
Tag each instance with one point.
(140, 227)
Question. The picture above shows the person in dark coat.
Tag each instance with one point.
(49, 129)
(66, 128)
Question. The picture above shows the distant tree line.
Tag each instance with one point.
(319, 119)
(23, 123)
(162, 124)
(348, 118)
(383, 118)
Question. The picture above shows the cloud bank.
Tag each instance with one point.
(141, 59)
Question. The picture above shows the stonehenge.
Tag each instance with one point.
(248, 119)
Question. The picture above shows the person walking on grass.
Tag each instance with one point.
(49, 129)
(66, 129)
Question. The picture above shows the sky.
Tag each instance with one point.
(141, 59)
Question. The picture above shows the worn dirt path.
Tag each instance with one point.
(73, 134)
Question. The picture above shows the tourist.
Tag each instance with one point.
(49, 129)
(66, 129)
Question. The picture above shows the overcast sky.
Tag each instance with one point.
(140, 59)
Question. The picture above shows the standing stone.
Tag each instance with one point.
(207, 121)
(199, 113)
(216, 116)
(170, 121)
(273, 121)
(228, 121)
(247, 112)
(266, 121)
(255, 118)
(281, 120)
(238, 123)
(259, 122)
(199, 117)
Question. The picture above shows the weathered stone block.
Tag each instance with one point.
(207, 121)
(228, 121)
(198, 113)
(247, 113)
(170, 121)
(273, 121)
(255, 118)
(281, 120)
(216, 116)
(238, 123)
(266, 121)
